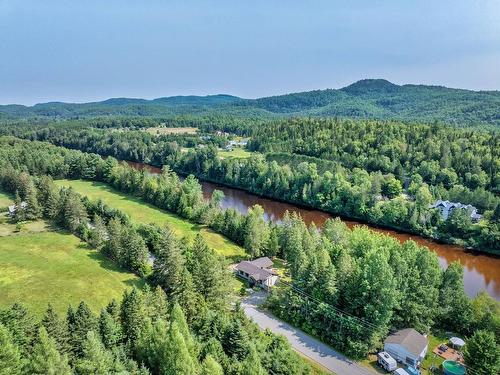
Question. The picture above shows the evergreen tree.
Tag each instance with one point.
(33, 210)
(114, 247)
(56, 329)
(10, 357)
(22, 325)
(73, 211)
(95, 359)
(482, 353)
(236, 341)
(19, 209)
(46, 359)
(211, 367)
(109, 329)
(79, 325)
(209, 274)
(179, 360)
(133, 315)
(169, 262)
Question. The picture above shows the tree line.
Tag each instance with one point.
(376, 195)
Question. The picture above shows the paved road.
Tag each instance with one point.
(301, 341)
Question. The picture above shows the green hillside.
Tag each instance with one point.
(370, 98)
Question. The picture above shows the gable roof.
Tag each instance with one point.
(253, 271)
(410, 339)
(263, 262)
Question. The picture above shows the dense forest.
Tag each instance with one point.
(185, 325)
(370, 99)
(385, 173)
(349, 287)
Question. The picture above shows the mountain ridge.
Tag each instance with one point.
(367, 98)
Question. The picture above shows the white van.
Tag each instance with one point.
(400, 371)
(386, 361)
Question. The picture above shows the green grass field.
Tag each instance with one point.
(142, 212)
(239, 153)
(56, 267)
(5, 201)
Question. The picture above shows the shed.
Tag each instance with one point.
(407, 346)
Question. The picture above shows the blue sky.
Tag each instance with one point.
(89, 50)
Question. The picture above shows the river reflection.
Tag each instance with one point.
(480, 271)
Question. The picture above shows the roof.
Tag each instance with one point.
(413, 341)
(400, 371)
(448, 205)
(263, 262)
(255, 272)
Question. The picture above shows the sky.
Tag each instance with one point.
(80, 51)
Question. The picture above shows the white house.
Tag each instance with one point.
(407, 346)
(447, 207)
(12, 208)
(258, 272)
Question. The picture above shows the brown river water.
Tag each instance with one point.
(481, 271)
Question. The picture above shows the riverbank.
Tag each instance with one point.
(480, 269)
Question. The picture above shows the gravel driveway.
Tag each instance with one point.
(301, 341)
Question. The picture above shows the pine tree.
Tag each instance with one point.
(10, 356)
(19, 209)
(178, 318)
(45, 359)
(211, 367)
(133, 315)
(95, 359)
(32, 210)
(152, 346)
(110, 330)
(74, 212)
(134, 247)
(169, 262)
(83, 321)
(113, 309)
(56, 329)
(209, 274)
(22, 326)
(236, 341)
(179, 359)
(114, 248)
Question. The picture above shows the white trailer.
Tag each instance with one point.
(386, 361)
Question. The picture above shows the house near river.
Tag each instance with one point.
(257, 272)
(407, 346)
(447, 207)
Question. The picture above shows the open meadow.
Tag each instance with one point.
(142, 212)
(38, 267)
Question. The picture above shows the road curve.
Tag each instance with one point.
(301, 341)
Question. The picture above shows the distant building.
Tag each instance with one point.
(258, 272)
(447, 207)
(13, 208)
(407, 346)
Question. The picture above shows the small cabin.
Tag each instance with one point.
(407, 346)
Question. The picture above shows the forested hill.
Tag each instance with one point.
(370, 98)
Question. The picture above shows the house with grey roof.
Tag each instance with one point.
(407, 346)
(13, 208)
(257, 272)
(447, 207)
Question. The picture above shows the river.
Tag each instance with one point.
(481, 271)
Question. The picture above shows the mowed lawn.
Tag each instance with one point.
(5, 200)
(56, 267)
(142, 212)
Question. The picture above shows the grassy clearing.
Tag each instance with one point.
(238, 153)
(161, 130)
(8, 228)
(56, 267)
(142, 212)
(5, 201)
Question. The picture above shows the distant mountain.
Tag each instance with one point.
(369, 98)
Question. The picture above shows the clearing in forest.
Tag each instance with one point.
(161, 130)
(57, 267)
(142, 212)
